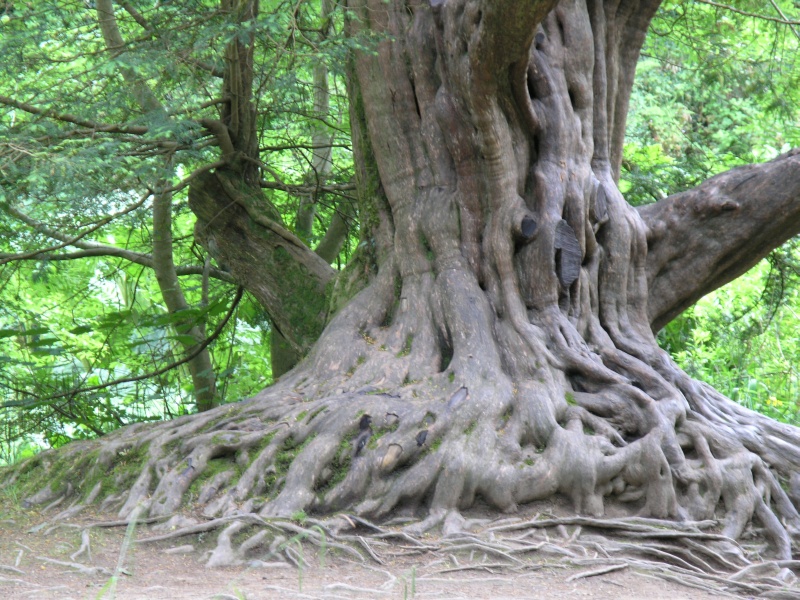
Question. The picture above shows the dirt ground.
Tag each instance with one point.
(38, 560)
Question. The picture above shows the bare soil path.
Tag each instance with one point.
(39, 560)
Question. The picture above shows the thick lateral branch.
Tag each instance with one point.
(284, 275)
(701, 239)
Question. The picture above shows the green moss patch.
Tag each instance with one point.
(340, 466)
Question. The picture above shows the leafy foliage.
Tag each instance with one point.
(703, 104)
(706, 102)
(744, 339)
(79, 161)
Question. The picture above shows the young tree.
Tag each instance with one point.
(493, 336)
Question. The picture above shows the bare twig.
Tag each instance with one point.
(19, 581)
(480, 567)
(783, 16)
(739, 11)
(600, 571)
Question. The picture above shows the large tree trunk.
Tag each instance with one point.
(493, 338)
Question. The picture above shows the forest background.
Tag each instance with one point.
(88, 342)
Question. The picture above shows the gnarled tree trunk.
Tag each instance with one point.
(493, 337)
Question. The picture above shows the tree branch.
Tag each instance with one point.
(223, 136)
(142, 22)
(92, 249)
(72, 241)
(116, 45)
(197, 172)
(68, 118)
(331, 243)
(305, 189)
(312, 146)
(136, 15)
(783, 16)
(701, 239)
(783, 20)
(242, 231)
(321, 164)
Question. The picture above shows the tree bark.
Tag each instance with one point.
(492, 338)
(703, 238)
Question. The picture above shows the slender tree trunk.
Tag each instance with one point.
(283, 356)
(200, 367)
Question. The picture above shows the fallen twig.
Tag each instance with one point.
(91, 571)
(600, 571)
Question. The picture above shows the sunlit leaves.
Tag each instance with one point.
(72, 325)
(714, 89)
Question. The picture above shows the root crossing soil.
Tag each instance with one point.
(95, 557)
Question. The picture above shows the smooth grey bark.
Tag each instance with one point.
(703, 238)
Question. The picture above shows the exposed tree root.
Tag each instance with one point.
(689, 553)
(11, 569)
(246, 464)
(81, 568)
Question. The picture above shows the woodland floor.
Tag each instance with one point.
(31, 548)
